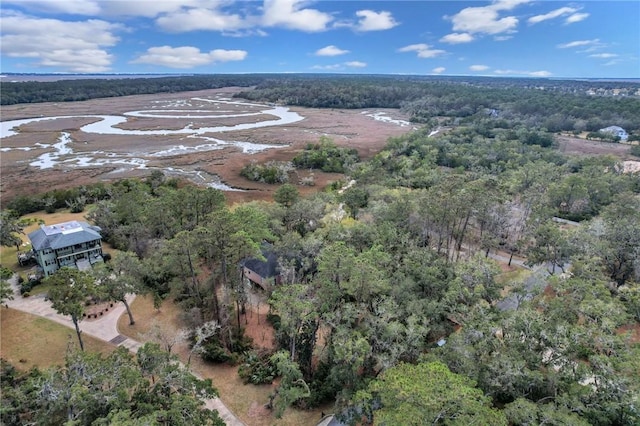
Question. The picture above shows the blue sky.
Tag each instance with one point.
(521, 38)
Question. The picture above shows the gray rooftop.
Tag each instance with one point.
(63, 235)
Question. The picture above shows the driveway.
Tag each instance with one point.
(104, 328)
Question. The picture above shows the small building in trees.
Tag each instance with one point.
(616, 131)
(73, 244)
(262, 272)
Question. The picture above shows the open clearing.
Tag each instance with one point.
(31, 341)
(578, 146)
(246, 401)
(205, 136)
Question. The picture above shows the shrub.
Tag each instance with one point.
(274, 320)
(326, 156)
(257, 368)
(6, 273)
(270, 172)
(635, 150)
(213, 351)
(25, 288)
(324, 387)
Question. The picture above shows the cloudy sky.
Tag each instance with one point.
(594, 39)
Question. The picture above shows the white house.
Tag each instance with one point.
(616, 131)
(73, 244)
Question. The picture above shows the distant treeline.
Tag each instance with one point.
(555, 105)
(84, 89)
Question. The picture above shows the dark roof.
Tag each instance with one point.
(63, 235)
(265, 268)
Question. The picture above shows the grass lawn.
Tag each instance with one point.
(246, 401)
(38, 341)
(516, 274)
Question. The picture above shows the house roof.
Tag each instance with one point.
(612, 129)
(63, 235)
(265, 268)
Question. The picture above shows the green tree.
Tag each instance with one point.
(6, 291)
(69, 292)
(355, 199)
(427, 393)
(550, 246)
(292, 386)
(618, 245)
(9, 228)
(119, 278)
(117, 389)
(295, 307)
(286, 195)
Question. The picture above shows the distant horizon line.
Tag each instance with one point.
(4, 74)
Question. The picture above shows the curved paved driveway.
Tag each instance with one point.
(105, 328)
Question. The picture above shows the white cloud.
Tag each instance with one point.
(327, 67)
(478, 67)
(527, 73)
(103, 8)
(72, 46)
(76, 7)
(201, 19)
(486, 19)
(340, 66)
(502, 38)
(374, 21)
(603, 55)
(455, 38)
(552, 15)
(438, 70)
(576, 17)
(187, 56)
(152, 9)
(289, 14)
(423, 50)
(579, 43)
(330, 51)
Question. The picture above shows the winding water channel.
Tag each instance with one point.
(63, 154)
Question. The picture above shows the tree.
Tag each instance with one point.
(427, 393)
(9, 227)
(70, 290)
(550, 246)
(121, 277)
(118, 389)
(619, 244)
(293, 304)
(292, 386)
(286, 195)
(355, 199)
(6, 291)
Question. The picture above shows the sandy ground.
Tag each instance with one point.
(578, 146)
(350, 128)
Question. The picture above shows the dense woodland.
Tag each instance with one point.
(446, 283)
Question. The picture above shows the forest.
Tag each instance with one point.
(475, 275)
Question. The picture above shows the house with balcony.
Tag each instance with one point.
(73, 244)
